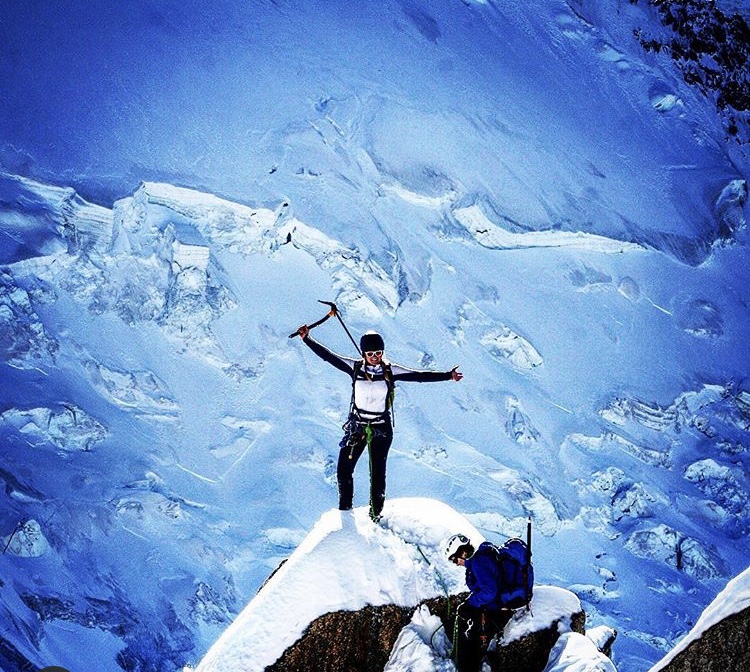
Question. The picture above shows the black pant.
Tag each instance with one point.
(352, 446)
(474, 628)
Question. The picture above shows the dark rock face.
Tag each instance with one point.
(361, 641)
(12, 659)
(712, 51)
(346, 641)
(530, 653)
(725, 647)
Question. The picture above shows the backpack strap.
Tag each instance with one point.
(356, 368)
(388, 375)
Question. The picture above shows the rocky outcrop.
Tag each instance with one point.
(362, 641)
(531, 653)
(711, 48)
(724, 647)
(12, 659)
(346, 640)
(720, 639)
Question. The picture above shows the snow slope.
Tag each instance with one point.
(347, 562)
(174, 487)
(520, 190)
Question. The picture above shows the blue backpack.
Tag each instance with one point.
(517, 573)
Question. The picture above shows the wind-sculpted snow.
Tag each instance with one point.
(26, 541)
(67, 428)
(505, 344)
(684, 553)
(24, 342)
(488, 234)
(140, 391)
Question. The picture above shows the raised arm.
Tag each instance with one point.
(341, 363)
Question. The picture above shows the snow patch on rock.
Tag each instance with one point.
(422, 646)
(574, 652)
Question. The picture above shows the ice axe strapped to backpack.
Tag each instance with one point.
(517, 573)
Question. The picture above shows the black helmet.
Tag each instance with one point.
(371, 341)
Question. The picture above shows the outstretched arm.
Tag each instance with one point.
(341, 363)
(410, 375)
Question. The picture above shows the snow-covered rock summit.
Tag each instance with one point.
(720, 640)
(348, 563)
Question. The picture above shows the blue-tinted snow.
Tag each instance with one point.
(516, 189)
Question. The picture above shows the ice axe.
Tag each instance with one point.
(333, 311)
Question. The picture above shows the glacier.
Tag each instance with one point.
(521, 191)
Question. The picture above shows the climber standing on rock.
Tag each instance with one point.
(369, 424)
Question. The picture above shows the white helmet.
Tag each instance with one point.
(454, 543)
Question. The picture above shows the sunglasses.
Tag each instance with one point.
(372, 353)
